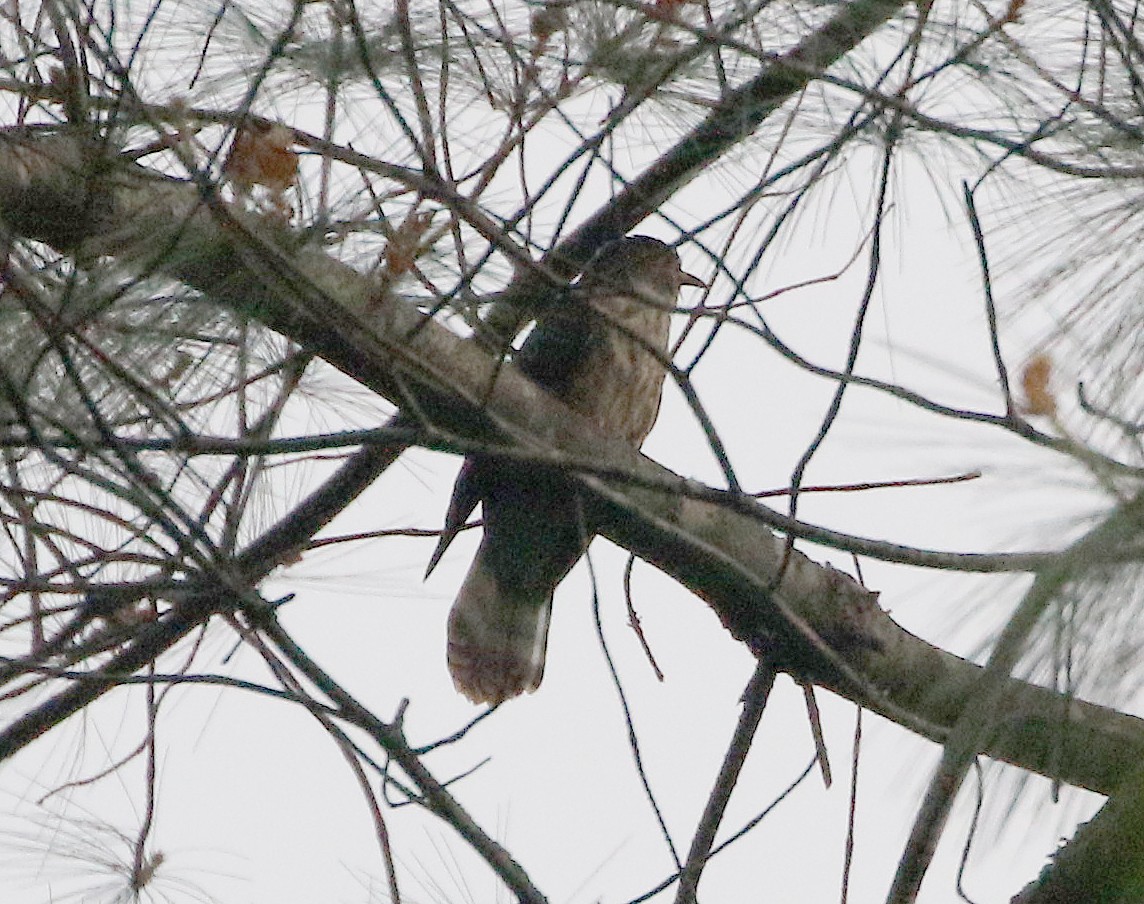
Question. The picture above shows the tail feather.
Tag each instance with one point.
(532, 536)
(497, 638)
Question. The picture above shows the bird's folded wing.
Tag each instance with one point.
(466, 495)
(560, 345)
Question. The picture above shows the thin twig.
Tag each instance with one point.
(633, 739)
(754, 698)
(634, 619)
(434, 796)
(990, 306)
(816, 731)
(852, 810)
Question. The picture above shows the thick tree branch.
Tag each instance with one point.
(817, 621)
(734, 119)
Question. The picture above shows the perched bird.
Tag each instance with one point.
(600, 351)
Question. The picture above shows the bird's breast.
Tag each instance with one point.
(620, 384)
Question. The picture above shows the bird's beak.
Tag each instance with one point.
(689, 279)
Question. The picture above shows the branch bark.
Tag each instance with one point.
(735, 117)
(817, 621)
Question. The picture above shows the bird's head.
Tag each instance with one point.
(639, 265)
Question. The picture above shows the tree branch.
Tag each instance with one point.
(818, 622)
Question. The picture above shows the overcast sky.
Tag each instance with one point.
(256, 804)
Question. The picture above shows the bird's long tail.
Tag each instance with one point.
(497, 637)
